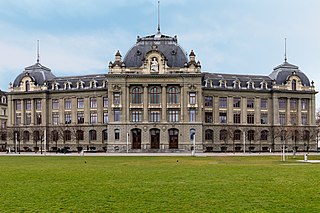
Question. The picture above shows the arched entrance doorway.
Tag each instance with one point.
(173, 138)
(136, 138)
(155, 138)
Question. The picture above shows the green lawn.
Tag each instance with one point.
(158, 184)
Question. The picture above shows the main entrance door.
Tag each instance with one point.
(155, 138)
(173, 138)
(136, 138)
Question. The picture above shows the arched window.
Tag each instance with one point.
(80, 135)
(294, 85)
(208, 135)
(54, 136)
(105, 135)
(154, 95)
(251, 135)
(26, 136)
(173, 95)
(295, 135)
(283, 135)
(223, 135)
(27, 86)
(116, 134)
(93, 135)
(237, 135)
(306, 135)
(67, 135)
(36, 136)
(136, 95)
(192, 134)
(264, 135)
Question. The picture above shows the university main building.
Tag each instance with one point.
(156, 99)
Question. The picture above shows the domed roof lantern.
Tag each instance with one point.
(118, 56)
(192, 56)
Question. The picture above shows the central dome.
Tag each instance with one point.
(168, 46)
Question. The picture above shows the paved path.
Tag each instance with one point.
(152, 154)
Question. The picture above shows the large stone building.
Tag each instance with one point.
(156, 98)
(3, 120)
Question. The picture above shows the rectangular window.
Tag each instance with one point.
(208, 101)
(293, 103)
(208, 117)
(38, 118)
(250, 118)
(105, 117)
(250, 103)
(80, 117)
(236, 102)
(136, 116)
(67, 103)
(93, 103)
(192, 115)
(80, 103)
(293, 118)
(18, 118)
(304, 118)
(105, 102)
(282, 103)
(282, 118)
(28, 118)
(264, 118)
(223, 102)
(67, 117)
(173, 115)
(236, 118)
(93, 118)
(55, 118)
(3, 125)
(116, 115)
(28, 104)
(264, 103)
(38, 104)
(18, 105)
(116, 98)
(154, 116)
(117, 134)
(192, 98)
(223, 117)
(55, 104)
(304, 104)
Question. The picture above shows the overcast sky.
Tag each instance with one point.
(79, 37)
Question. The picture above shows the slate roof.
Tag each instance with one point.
(175, 55)
(281, 73)
(37, 72)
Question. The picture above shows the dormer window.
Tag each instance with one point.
(3, 99)
(264, 85)
(27, 86)
(223, 83)
(93, 84)
(105, 84)
(250, 84)
(67, 85)
(55, 86)
(294, 85)
(237, 84)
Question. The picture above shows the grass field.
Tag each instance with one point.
(158, 184)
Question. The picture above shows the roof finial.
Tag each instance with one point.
(38, 54)
(285, 49)
(158, 17)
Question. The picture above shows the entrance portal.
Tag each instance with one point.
(173, 138)
(155, 138)
(136, 138)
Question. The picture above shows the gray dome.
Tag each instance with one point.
(37, 72)
(167, 45)
(281, 73)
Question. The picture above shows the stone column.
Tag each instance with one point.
(86, 110)
(299, 112)
(33, 111)
(288, 112)
(145, 102)
(182, 104)
(23, 111)
(163, 103)
(244, 110)
(74, 108)
(275, 110)
(44, 112)
(229, 110)
(257, 111)
(61, 112)
(216, 109)
(10, 112)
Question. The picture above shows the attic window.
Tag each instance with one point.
(3, 99)
(27, 86)
(237, 84)
(264, 85)
(250, 84)
(223, 83)
(294, 85)
(67, 85)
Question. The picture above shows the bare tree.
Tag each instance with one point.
(78, 134)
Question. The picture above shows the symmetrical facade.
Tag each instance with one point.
(157, 99)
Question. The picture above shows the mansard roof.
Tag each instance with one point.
(168, 46)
